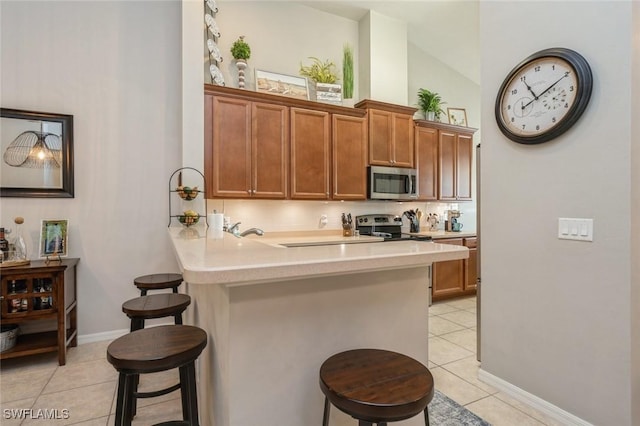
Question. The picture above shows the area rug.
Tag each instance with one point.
(443, 411)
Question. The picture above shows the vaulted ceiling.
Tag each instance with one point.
(447, 30)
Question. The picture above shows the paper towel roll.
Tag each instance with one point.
(215, 221)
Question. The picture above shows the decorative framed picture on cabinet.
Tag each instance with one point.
(282, 84)
(457, 116)
(54, 238)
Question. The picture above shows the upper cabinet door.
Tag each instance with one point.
(269, 150)
(310, 154)
(231, 148)
(402, 140)
(464, 150)
(380, 138)
(427, 163)
(447, 166)
(349, 135)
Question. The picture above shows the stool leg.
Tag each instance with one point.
(327, 408)
(189, 394)
(143, 292)
(137, 324)
(426, 416)
(178, 318)
(123, 405)
(175, 290)
(365, 423)
(134, 400)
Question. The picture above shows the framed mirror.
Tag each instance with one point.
(37, 154)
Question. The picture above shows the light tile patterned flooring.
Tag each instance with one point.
(86, 386)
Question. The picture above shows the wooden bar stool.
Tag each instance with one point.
(376, 386)
(158, 282)
(162, 305)
(152, 350)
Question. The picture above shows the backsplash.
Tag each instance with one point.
(297, 215)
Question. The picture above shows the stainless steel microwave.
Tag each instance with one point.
(392, 183)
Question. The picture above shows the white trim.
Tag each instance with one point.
(110, 335)
(531, 400)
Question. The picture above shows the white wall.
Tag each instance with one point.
(556, 314)
(115, 66)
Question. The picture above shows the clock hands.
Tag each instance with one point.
(566, 74)
(529, 88)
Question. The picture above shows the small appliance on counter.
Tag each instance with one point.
(452, 224)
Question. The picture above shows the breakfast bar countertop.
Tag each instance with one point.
(226, 259)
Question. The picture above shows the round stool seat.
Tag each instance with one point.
(376, 386)
(158, 282)
(156, 349)
(156, 305)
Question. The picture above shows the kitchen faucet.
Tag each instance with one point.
(235, 230)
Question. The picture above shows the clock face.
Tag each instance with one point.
(543, 96)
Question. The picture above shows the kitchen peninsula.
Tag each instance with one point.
(275, 313)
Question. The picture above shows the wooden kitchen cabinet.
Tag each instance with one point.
(246, 148)
(45, 292)
(349, 157)
(455, 278)
(427, 163)
(454, 159)
(310, 154)
(391, 133)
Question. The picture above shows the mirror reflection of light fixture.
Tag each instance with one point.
(35, 150)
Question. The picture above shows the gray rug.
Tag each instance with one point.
(443, 411)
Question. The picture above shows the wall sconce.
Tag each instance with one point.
(35, 150)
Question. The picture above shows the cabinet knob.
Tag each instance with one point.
(248, 191)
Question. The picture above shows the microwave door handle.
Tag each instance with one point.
(410, 185)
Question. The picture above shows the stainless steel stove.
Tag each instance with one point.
(388, 226)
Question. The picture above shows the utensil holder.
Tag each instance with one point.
(347, 232)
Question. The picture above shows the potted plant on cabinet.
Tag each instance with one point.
(241, 51)
(347, 73)
(324, 75)
(430, 103)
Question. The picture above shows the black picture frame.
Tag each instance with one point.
(66, 189)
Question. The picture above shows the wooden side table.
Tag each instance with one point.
(41, 291)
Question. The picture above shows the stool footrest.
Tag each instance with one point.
(157, 393)
(174, 423)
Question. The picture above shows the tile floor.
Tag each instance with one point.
(86, 386)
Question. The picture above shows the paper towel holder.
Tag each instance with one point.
(176, 192)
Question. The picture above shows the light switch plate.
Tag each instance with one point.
(575, 229)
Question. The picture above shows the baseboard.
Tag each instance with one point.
(110, 335)
(99, 337)
(531, 400)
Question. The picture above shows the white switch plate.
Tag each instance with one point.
(575, 229)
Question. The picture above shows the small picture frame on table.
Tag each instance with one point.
(457, 116)
(54, 239)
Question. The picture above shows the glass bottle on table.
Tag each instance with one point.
(4, 246)
(19, 244)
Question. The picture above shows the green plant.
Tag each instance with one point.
(430, 102)
(347, 71)
(240, 49)
(320, 72)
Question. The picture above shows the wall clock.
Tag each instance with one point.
(543, 96)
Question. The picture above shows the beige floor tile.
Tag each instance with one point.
(474, 309)
(439, 325)
(465, 338)
(154, 382)
(16, 385)
(83, 403)
(46, 361)
(88, 352)
(463, 303)
(440, 308)
(15, 416)
(156, 413)
(102, 421)
(467, 369)
(75, 375)
(455, 388)
(538, 415)
(443, 352)
(464, 318)
(499, 413)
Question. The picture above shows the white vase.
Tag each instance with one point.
(242, 65)
(430, 115)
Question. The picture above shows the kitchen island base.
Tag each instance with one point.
(268, 340)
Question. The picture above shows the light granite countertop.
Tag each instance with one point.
(209, 258)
